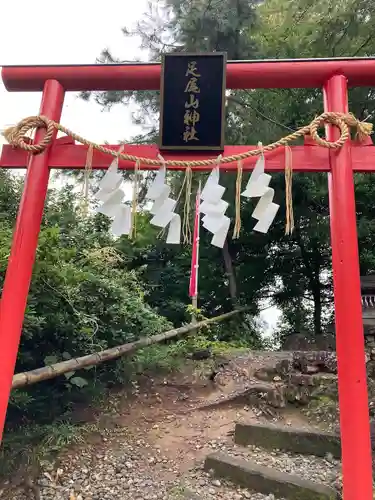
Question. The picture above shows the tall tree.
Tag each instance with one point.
(203, 25)
(311, 29)
(296, 270)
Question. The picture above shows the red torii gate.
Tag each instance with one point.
(334, 75)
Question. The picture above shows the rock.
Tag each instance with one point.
(201, 354)
(147, 462)
(322, 361)
(297, 394)
(370, 368)
(266, 479)
(284, 367)
(304, 342)
(281, 437)
(311, 369)
(264, 375)
(301, 379)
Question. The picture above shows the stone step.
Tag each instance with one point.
(279, 437)
(266, 480)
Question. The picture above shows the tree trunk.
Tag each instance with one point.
(317, 307)
(229, 271)
(313, 274)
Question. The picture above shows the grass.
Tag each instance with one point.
(178, 492)
(34, 443)
(37, 443)
(170, 357)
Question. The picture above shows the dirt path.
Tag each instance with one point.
(153, 446)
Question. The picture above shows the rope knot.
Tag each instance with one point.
(16, 136)
(344, 121)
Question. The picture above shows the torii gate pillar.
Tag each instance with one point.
(53, 80)
(351, 365)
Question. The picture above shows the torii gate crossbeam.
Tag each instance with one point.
(333, 75)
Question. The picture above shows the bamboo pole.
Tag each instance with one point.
(193, 286)
(194, 303)
(52, 371)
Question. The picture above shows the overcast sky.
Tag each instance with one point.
(71, 32)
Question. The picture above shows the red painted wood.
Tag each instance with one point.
(350, 345)
(254, 74)
(240, 75)
(22, 255)
(305, 158)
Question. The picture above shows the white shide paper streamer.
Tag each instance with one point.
(163, 206)
(111, 195)
(214, 207)
(258, 187)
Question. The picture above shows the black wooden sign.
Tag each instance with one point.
(193, 102)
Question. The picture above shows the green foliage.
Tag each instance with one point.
(171, 357)
(38, 443)
(90, 292)
(194, 311)
(82, 299)
(218, 348)
(292, 272)
(302, 264)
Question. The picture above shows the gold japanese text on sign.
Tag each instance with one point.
(192, 115)
(192, 102)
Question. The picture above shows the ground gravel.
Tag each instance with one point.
(131, 465)
(140, 472)
(129, 475)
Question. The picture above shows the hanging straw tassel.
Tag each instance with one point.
(186, 229)
(86, 180)
(120, 150)
(237, 225)
(133, 229)
(363, 129)
(289, 225)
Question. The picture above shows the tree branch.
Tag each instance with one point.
(366, 42)
(247, 105)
